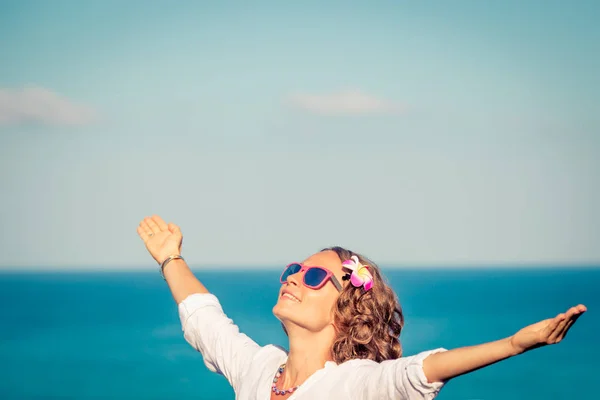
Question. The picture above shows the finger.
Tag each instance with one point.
(572, 311)
(153, 226)
(563, 334)
(575, 312)
(159, 221)
(142, 233)
(551, 327)
(558, 330)
(144, 225)
(569, 325)
(173, 228)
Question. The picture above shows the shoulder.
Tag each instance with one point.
(358, 362)
(351, 368)
(268, 356)
(196, 300)
(410, 365)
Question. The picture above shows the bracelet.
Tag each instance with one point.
(168, 260)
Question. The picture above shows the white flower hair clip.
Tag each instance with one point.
(360, 273)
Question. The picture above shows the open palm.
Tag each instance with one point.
(161, 239)
(548, 331)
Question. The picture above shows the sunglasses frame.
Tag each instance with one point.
(304, 268)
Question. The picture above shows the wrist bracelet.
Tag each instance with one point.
(168, 260)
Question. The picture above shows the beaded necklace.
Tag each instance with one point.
(274, 387)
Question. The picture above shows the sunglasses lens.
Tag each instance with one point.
(314, 277)
(290, 270)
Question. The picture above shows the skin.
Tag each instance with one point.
(309, 322)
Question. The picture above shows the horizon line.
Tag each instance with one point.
(258, 268)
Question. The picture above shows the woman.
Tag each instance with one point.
(343, 324)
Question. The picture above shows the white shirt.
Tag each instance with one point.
(250, 368)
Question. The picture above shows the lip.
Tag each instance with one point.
(290, 293)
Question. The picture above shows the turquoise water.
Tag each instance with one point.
(117, 335)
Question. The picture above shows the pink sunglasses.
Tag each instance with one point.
(314, 277)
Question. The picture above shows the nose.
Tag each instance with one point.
(294, 278)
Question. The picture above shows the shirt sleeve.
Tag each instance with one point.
(402, 378)
(206, 328)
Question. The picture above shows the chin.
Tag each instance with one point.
(286, 311)
(281, 310)
(292, 318)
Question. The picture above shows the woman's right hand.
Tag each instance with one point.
(161, 240)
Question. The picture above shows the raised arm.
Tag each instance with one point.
(162, 241)
(206, 327)
(452, 363)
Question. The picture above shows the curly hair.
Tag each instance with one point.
(368, 324)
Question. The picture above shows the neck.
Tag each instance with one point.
(308, 353)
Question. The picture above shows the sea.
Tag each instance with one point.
(117, 335)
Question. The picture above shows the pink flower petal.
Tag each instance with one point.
(349, 264)
(356, 280)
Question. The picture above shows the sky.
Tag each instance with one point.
(429, 133)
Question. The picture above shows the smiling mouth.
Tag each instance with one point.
(290, 297)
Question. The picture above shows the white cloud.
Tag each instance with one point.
(346, 102)
(42, 106)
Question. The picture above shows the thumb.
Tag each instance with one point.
(174, 229)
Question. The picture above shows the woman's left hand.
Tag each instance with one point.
(548, 331)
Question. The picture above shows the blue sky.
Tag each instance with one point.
(418, 133)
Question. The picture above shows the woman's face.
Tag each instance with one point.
(309, 308)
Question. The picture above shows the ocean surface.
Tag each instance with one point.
(117, 335)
